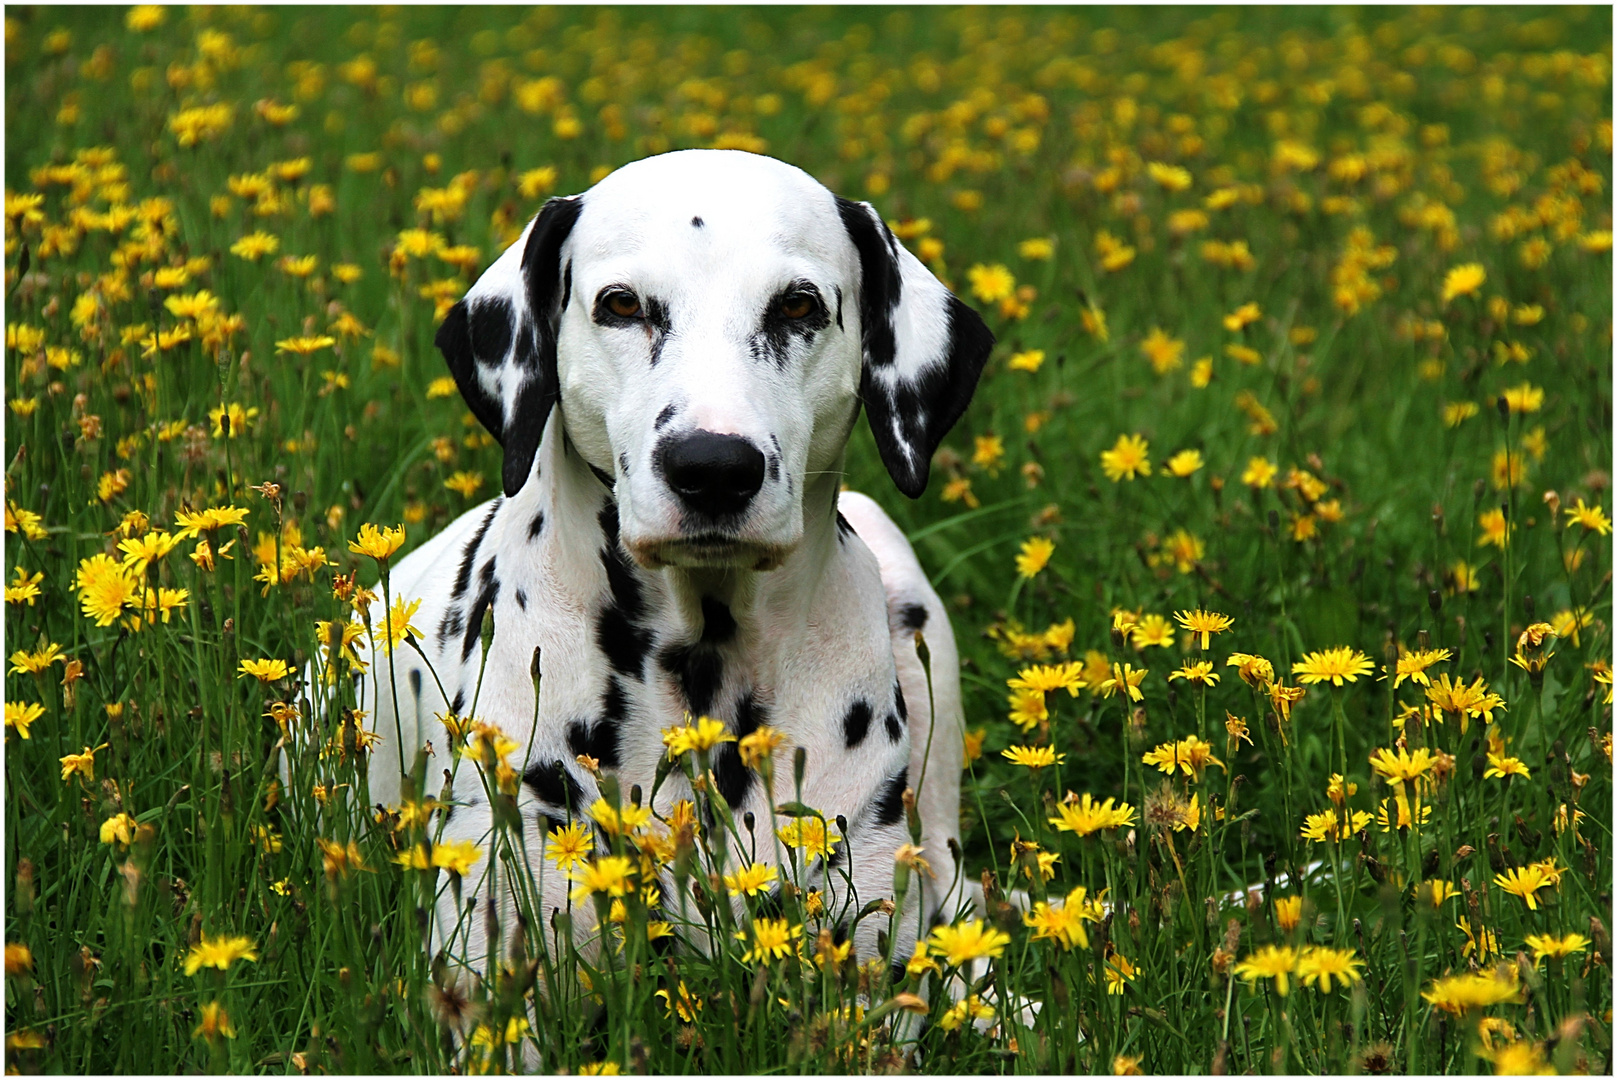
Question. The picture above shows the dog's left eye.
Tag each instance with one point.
(624, 304)
(798, 305)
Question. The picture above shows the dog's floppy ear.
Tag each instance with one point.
(500, 341)
(923, 349)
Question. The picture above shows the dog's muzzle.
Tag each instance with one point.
(714, 479)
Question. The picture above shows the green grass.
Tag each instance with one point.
(1449, 136)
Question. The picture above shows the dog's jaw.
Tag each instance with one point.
(715, 554)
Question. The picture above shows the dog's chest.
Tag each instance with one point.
(623, 656)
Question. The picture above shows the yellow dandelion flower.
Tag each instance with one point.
(966, 941)
(1463, 280)
(219, 953)
(1034, 555)
(1127, 459)
(1338, 665)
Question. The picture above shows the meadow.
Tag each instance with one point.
(1276, 539)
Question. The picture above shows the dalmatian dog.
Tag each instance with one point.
(673, 362)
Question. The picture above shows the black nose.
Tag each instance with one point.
(712, 473)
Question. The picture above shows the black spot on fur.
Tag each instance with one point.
(522, 600)
(734, 779)
(718, 625)
(624, 643)
(490, 323)
(549, 822)
(451, 624)
(881, 287)
(696, 222)
(897, 972)
(698, 667)
(603, 476)
(566, 284)
(468, 558)
(843, 527)
(536, 526)
(898, 702)
(773, 338)
(668, 413)
(913, 616)
(600, 740)
(552, 783)
(658, 326)
(750, 716)
(839, 306)
(623, 464)
(415, 683)
(889, 804)
(894, 730)
(459, 703)
(618, 633)
(488, 592)
(856, 724)
(774, 467)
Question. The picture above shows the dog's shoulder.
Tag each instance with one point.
(911, 602)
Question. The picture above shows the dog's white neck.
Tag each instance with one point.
(763, 603)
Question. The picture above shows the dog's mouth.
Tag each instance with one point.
(709, 551)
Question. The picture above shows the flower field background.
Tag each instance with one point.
(1276, 540)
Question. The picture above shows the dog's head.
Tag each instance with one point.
(709, 322)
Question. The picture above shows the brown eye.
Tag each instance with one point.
(797, 305)
(625, 305)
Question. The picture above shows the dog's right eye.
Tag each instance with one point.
(623, 304)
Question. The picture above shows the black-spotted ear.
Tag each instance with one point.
(500, 341)
(923, 349)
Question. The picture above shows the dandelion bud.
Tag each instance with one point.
(487, 632)
(747, 819)
(1552, 500)
(1602, 940)
(1434, 600)
(24, 896)
(533, 670)
(799, 763)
